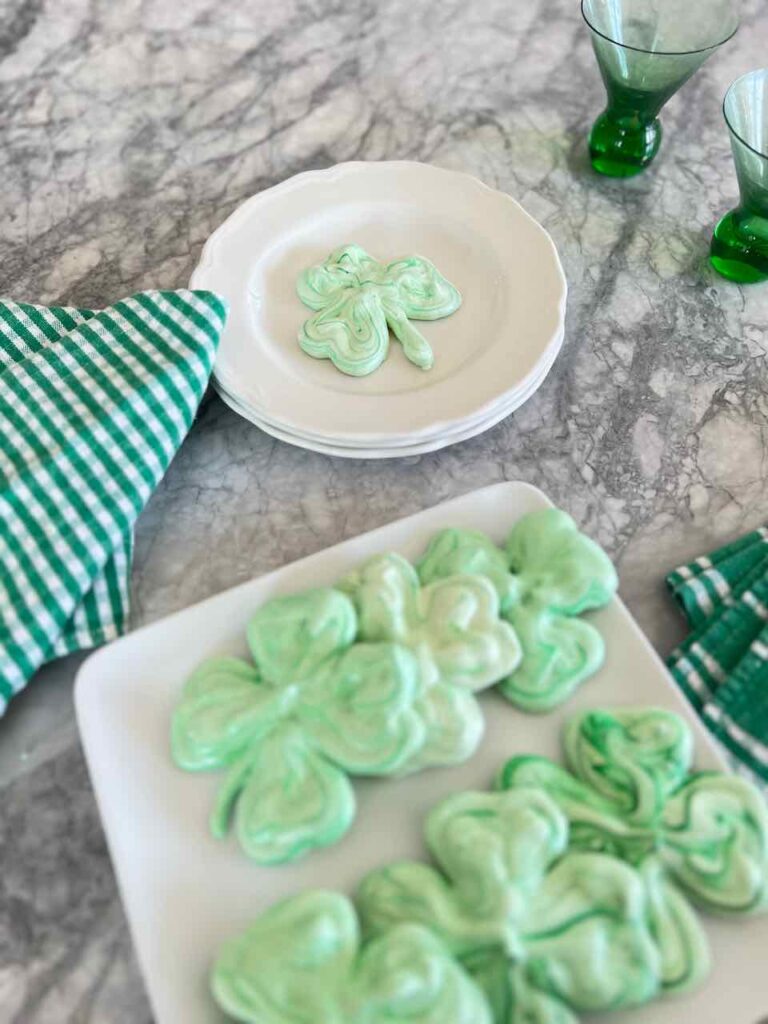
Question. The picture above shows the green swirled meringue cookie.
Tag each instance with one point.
(548, 574)
(452, 626)
(359, 300)
(301, 963)
(543, 931)
(315, 707)
(695, 836)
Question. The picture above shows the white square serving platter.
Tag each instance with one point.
(185, 892)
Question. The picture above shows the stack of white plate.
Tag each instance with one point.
(490, 356)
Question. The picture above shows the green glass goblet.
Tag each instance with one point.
(646, 49)
(740, 243)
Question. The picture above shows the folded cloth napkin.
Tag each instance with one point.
(722, 666)
(93, 407)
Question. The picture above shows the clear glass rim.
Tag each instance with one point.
(731, 129)
(659, 53)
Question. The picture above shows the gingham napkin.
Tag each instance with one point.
(723, 665)
(93, 407)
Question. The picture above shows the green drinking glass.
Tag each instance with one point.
(740, 243)
(646, 49)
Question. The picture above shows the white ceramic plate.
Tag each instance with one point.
(394, 451)
(503, 262)
(185, 892)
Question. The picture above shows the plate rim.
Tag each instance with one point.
(428, 446)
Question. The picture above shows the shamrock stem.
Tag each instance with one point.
(415, 345)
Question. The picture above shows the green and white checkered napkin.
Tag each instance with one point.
(723, 665)
(93, 407)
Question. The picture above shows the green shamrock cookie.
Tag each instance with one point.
(359, 300)
(315, 707)
(543, 931)
(694, 836)
(301, 963)
(547, 575)
(452, 626)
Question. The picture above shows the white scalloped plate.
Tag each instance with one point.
(502, 261)
(185, 892)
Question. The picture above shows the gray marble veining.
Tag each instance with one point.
(130, 130)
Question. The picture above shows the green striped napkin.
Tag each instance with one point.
(93, 407)
(722, 666)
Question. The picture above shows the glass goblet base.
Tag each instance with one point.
(739, 248)
(623, 146)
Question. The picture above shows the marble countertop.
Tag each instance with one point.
(131, 130)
